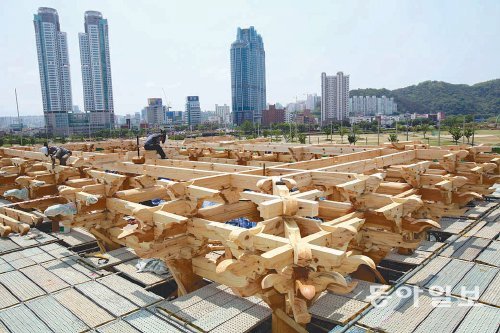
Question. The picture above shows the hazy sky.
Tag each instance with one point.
(183, 46)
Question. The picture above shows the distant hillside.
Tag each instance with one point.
(433, 96)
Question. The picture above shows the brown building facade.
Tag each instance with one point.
(272, 116)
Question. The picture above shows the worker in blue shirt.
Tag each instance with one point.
(153, 143)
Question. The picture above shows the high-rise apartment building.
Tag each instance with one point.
(193, 111)
(155, 112)
(334, 97)
(53, 64)
(224, 113)
(96, 71)
(248, 76)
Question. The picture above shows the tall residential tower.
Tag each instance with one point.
(53, 64)
(248, 76)
(96, 71)
(334, 97)
(193, 111)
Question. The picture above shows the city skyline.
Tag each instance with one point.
(418, 45)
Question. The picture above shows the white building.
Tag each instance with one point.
(224, 113)
(312, 100)
(96, 71)
(334, 97)
(372, 105)
(53, 64)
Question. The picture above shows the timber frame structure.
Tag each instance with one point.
(320, 212)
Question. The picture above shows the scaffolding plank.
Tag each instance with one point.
(186, 301)
(147, 322)
(205, 306)
(43, 278)
(6, 298)
(335, 308)
(129, 290)
(106, 298)
(451, 274)
(20, 319)
(429, 246)
(453, 226)
(7, 245)
(56, 250)
(118, 326)
(223, 313)
(407, 317)
(76, 263)
(427, 272)
(129, 269)
(492, 294)
(246, 320)
(22, 287)
(471, 249)
(453, 314)
(114, 258)
(66, 272)
(56, 316)
(454, 246)
(379, 314)
(490, 255)
(36, 254)
(77, 236)
(5, 267)
(479, 210)
(489, 231)
(480, 319)
(475, 282)
(89, 312)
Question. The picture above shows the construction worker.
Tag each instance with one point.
(60, 153)
(153, 143)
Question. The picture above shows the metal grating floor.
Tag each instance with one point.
(45, 279)
(106, 298)
(490, 255)
(19, 285)
(335, 308)
(20, 319)
(56, 316)
(129, 290)
(89, 312)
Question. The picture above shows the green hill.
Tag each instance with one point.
(434, 96)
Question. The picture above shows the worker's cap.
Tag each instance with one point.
(44, 150)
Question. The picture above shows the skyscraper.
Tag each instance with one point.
(155, 112)
(334, 97)
(193, 111)
(53, 64)
(224, 113)
(248, 76)
(96, 71)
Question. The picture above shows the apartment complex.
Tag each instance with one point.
(334, 97)
(53, 64)
(96, 71)
(372, 105)
(248, 76)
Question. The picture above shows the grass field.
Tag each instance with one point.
(487, 137)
